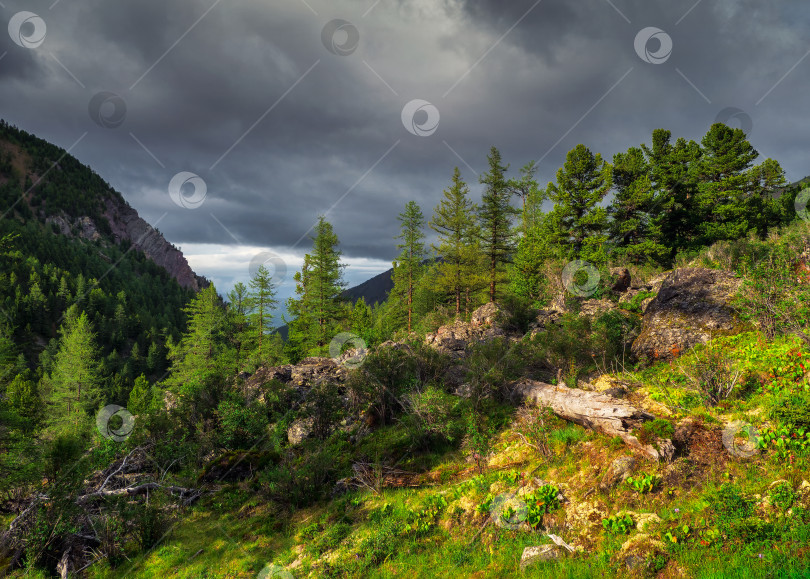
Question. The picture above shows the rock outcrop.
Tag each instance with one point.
(126, 224)
(692, 306)
(454, 339)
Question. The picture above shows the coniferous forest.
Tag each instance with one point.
(147, 428)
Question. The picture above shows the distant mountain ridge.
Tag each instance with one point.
(373, 291)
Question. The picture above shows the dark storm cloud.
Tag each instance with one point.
(202, 78)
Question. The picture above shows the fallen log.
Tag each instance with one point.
(138, 490)
(597, 411)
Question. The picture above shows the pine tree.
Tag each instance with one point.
(75, 379)
(723, 177)
(261, 303)
(319, 309)
(453, 220)
(672, 170)
(634, 234)
(408, 267)
(582, 184)
(495, 215)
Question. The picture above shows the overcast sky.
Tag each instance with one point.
(287, 109)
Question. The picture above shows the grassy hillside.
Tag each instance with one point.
(717, 515)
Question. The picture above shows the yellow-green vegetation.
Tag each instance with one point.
(708, 514)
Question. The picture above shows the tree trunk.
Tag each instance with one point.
(597, 411)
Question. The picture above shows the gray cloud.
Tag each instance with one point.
(565, 73)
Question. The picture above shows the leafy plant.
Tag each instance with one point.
(619, 524)
(539, 502)
(643, 482)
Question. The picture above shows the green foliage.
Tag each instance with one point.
(316, 312)
(634, 305)
(408, 267)
(495, 215)
(769, 293)
(259, 305)
(654, 429)
(540, 502)
(453, 221)
(240, 425)
(580, 223)
(782, 496)
(619, 524)
(644, 482)
(422, 519)
(76, 380)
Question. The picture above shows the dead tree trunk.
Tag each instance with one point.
(597, 411)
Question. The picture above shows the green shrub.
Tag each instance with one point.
(240, 425)
(730, 505)
(782, 496)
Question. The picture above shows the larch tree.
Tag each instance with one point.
(495, 220)
(408, 266)
(261, 302)
(319, 309)
(239, 334)
(75, 380)
(454, 222)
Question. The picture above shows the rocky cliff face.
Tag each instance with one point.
(127, 224)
